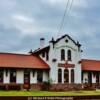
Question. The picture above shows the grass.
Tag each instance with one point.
(47, 93)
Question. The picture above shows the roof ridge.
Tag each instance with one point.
(91, 60)
(14, 53)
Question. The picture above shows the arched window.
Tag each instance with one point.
(59, 75)
(69, 55)
(72, 75)
(62, 54)
(66, 76)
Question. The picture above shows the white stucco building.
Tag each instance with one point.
(59, 61)
(63, 56)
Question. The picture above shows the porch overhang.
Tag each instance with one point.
(90, 65)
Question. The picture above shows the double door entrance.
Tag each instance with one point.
(27, 79)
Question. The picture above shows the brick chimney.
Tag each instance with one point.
(42, 42)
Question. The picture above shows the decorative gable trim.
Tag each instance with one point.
(66, 35)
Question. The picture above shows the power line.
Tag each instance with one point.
(63, 18)
(71, 4)
(67, 10)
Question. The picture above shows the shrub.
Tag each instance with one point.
(47, 84)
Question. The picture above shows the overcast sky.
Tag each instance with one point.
(23, 22)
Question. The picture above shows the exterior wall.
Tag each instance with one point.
(55, 53)
(53, 65)
(33, 79)
(20, 76)
(78, 74)
(93, 78)
(6, 78)
(45, 76)
(75, 56)
(85, 77)
(78, 70)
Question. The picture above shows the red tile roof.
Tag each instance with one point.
(9, 60)
(90, 65)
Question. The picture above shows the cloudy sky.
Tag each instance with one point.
(23, 22)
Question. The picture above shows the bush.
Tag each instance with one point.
(47, 84)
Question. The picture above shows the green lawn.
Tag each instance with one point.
(46, 93)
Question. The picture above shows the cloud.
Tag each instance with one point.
(23, 22)
(6, 5)
(62, 3)
(23, 18)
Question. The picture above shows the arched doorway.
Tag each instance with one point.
(66, 76)
(59, 76)
(72, 75)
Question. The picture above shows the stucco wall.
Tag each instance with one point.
(56, 53)
(20, 76)
(6, 78)
(45, 76)
(93, 78)
(33, 78)
(85, 77)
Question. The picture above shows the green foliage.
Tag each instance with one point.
(47, 84)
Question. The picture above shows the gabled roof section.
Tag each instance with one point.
(9, 60)
(66, 35)
(90, 65)
(39, 50)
